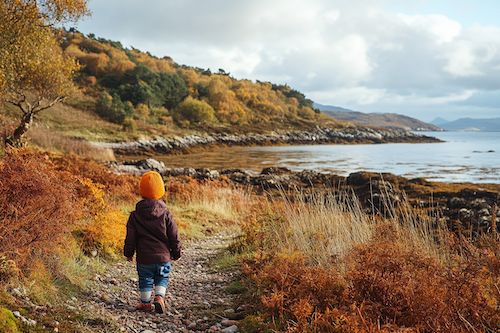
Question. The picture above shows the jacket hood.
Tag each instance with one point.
(150, 209)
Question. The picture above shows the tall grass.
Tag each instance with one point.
(206, 206)
(323, 265)
(58, 143)
(326, 226)
(322, 226)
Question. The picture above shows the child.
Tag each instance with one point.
(153, 234)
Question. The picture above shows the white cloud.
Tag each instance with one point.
(442, 29)
(339, 52)
(331, 16)
(461, 60)
(416, 99)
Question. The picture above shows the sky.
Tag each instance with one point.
(420, 58)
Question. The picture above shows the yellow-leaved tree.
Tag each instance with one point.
(34, 72)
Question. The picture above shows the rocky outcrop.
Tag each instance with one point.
(188, 144)
(464, 207)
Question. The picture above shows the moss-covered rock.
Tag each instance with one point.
(7, 321)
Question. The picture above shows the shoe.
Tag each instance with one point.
(159, 304)
(145, 307)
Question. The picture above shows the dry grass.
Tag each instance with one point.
(322, 265)
(204, 207)
(59, 143)
(328, 225)
(320, 226)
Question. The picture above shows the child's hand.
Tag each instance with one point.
(130, 259)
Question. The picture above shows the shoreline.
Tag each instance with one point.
(463, 207)
(193, 143)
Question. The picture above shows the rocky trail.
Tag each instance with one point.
(196, 299)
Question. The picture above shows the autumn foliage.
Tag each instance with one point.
(36, 206)
(48, 208)
(191, 96)
(382, 284)
(35, 74)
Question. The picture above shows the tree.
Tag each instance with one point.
(194, 111)
(173, 89)
(113, 109)
(34, 73)
(142, 85)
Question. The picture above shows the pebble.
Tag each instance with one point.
(230, 329)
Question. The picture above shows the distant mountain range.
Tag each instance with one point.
(469, 124)
(385, 120)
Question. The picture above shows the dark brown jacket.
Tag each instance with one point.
(152, 233)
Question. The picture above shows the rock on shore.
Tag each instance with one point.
(462, 207)
(347, 135)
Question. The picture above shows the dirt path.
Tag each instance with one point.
(196, 295)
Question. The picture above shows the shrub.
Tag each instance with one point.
(194, 111)
(405, 287)
(129, 125)
(112, 108)
(7, 321)
(44, 201)
(102, 227)
(37, 205)
(117, 187)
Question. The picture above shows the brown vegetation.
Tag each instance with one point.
(36, 204)
(386, 120)
(45, 202)
(400, 277)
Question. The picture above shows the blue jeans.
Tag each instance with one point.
(157, 274)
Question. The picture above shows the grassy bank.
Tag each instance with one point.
(322, 265)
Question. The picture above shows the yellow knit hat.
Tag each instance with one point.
(152, 186)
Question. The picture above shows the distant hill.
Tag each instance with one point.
(385, 120)
(329, 107)
(439, 121)
(472, 125)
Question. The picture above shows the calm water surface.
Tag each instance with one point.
(464, 157)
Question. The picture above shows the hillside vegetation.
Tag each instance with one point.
(156, 96)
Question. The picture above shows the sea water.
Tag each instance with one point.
(462, 157)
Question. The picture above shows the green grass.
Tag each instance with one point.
(8, 322)
(236, 288)
(228, 262)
